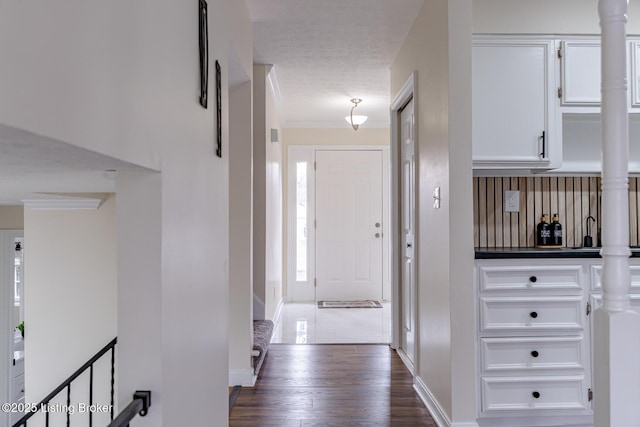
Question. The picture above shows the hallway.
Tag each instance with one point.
(330, 385)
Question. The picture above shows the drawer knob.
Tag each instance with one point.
(534, 353)
(533, 314)
(533, 279)
(535, 395)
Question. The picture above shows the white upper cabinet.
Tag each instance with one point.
(580, 72)
(579, 105)
(513, 104)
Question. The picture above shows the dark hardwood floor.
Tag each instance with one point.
(330, 385)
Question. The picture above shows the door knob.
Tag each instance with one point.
(377, 235)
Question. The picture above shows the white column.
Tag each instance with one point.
(240, 237)
(139, 234)
(616, 326)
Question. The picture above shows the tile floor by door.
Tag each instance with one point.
(305, 323)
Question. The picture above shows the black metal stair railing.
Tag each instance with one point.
(139, 406)
(67, 385)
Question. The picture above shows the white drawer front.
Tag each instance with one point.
(534, 393)
(503, 354)
(596, 277)
(530, 277)
(531, 314)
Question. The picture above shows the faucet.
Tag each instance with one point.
(588, 240)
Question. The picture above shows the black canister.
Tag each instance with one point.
(556, 231)
(543, 232)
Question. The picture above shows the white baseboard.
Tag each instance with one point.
(276, 315)
(405, 359)
(243, 377)
(439, 415)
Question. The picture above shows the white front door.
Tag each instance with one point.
(407, 223)
(348, 225)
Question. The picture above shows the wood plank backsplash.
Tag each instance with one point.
(573, 198)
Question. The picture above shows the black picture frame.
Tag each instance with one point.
(203, 37)
(218, 110)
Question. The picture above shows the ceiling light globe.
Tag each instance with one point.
(357, 120)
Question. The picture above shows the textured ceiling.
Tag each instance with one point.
(32, 166)
(326, 52)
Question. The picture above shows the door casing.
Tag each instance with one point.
(7, 257)
(304, 291)
(408, 91)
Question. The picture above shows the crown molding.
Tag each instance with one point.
(62, 204)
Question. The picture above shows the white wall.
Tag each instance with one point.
(438, 48)
(544, 16)
(240, 236)
(461, 250)
(70, 295)
(274, 258)
(11, 217)
(122, 78)
(267, 190)
(363, 136)
(260, 73)
(139, 228)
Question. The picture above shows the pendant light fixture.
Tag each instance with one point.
(355, 120)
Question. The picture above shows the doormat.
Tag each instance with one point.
(350, 304)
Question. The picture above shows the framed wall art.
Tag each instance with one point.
(218, 110)
(203, 36)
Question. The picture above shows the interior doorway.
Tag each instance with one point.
(12, 309)
(338, 212)
(404, 200)
(353, 253)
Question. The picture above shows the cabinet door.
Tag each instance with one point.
(580, 69)
(512, 103)
(635, 74)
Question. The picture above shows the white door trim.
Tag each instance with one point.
(7, 256)
(408, 91)
(304, 291)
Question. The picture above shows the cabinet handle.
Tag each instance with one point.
(533, 279)
(534, 353)
(544, 150)
(535, 395)
(533, 314)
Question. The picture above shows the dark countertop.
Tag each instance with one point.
(517, 253)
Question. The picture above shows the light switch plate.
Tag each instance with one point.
(512, 201)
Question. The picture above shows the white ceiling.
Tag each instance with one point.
(326, 52)
(33, 167)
